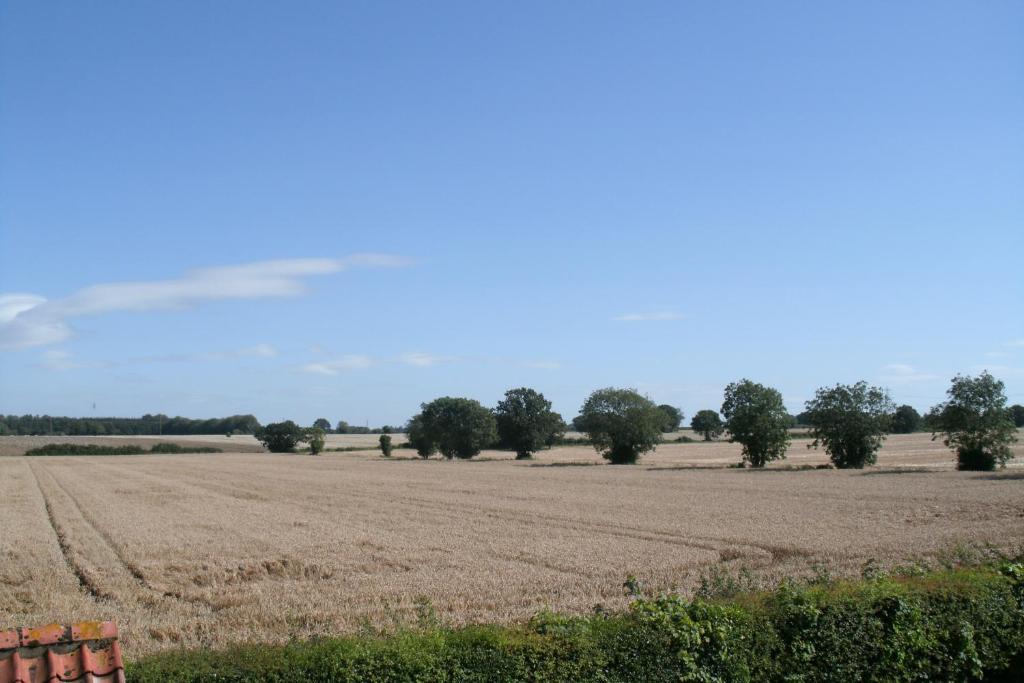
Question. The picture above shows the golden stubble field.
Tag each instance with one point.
(209, 549)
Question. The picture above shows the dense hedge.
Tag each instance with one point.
(85, 449)
(956, 625)
(99, 449)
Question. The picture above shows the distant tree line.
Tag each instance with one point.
(147, 425)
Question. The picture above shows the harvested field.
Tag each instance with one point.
(208, 549)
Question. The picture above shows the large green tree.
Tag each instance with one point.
(756, 418)
(459, 427)
(322, 423)
(905, 420)
(281, 437)
(621, 424)
(673, 417)
(1017, 413)
(850, 421)
(975, 422)
(526, 422)
(708, 424)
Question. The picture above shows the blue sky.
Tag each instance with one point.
(346, 209)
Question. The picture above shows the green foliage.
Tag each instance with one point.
(850, 421)
(85, 449)
(905, 420)
(975, 422)
(322, 423)
(708, 424)
(419, 438)
(97, 449)
(622, 424)
(385, 445)
(1017, 415)
(147, 425)
(673, 417)
(281, 437)
(171, 448)
(756, 418)
(947, 626)
(316, 438)
(457, 427)
(526, 422)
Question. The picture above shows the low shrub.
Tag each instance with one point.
(177, 448)
(97, 449)
(961, 624)
(85, 449)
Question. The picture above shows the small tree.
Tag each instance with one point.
(385, 445)
(315, 437)
(1017, 414)
(460, 427)
(416, 433)
(975, 422)
(280, 437)
(850, 422)
(526, 422)
(673, 417)
(622, 424)
(322, 423)
(756, 418)
(905, 420)
(707, 423)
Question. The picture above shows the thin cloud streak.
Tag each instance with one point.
(901, 373)
(28, 320)
(646, 317)
(334, 367)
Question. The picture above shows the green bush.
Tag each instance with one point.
(385, 445)
(281, 437)
(952, 625)
(177, 448)
(85, 449)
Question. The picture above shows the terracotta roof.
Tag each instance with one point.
(87, 652)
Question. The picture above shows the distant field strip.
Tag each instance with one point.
(210, 549)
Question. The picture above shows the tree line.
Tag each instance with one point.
(850, 422)
(147, 425)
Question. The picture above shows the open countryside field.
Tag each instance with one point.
(209, 549)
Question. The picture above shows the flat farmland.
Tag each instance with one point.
(202, 550)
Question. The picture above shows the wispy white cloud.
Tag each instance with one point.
(333, 367)
(29, 320)
(541, 364)
(901, 373)
(653, 315)
(1016, 343)
(424, 360)
(61, 361)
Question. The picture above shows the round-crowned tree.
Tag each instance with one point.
(975, 422)
(419, 439)
(850, 421)
(460, 427)
(281, 437)
(756, 418)
(323, 423)
(1017, 414)
(905, 420)
(673, 417)
(526, 422)
(621, 424)
(708, 424)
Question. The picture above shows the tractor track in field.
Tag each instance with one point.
(116, 560)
